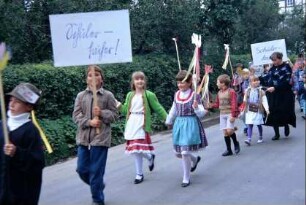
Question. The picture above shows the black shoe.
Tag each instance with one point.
(237, 148)
(196, 164)
(227, 153)
(97, 203)
(151, 166)
(276, 137)
(185, 184)
(287, 130)
(138, 181)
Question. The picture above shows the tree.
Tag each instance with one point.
(155, 23)
(219, 16)
(258, 21)
(292, 29)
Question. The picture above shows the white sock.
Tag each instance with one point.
(138, 163)
(147, 156)
(186, 160)
(194, 159)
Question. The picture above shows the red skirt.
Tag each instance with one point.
(140, 145)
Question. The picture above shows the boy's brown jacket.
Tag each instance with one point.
(82, 114)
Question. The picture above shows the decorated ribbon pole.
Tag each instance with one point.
(227, 59)
(94, 91)
(204, 86)
(177, 54)
(196, 40)
(4, 58)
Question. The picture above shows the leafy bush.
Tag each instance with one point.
(60, 85)
(61, 135)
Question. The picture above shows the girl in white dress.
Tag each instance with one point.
(138, 107)
(256, 103)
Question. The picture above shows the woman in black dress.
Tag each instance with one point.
(280, 95)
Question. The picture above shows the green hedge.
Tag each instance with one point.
(60, 85)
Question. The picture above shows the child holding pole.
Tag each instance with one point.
(22, 157)
(94, 111)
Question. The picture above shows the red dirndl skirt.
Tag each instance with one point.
(140, 145)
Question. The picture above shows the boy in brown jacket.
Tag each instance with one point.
(94, 131)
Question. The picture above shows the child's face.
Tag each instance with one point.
(139, 83)
(90, 79)
(18, 107)
(245, 76)
(220, 85)
(255, 83)
(183, 86)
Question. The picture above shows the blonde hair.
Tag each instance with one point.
(253, 78)
(138, 74)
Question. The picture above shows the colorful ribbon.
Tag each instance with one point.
(42, 134)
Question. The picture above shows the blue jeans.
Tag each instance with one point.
(91, 167)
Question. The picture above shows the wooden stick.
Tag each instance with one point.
(3, 112)
(94, 92)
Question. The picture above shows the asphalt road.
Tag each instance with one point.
(271, 173)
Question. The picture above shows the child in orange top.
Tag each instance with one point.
(227, 103)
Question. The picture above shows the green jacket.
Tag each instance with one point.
(154, 104)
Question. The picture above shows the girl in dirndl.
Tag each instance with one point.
(138, 107)
(188, 132)
(255, 104)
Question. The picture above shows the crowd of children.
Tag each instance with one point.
(242, 96)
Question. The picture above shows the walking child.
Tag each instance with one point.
(188, 132)
(299, 83)
(138, 107)
(22, 159)
(94, 131)
(226, 101)
(244, 85)
(255, 104)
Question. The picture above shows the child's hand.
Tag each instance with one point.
(118, 104)
(195, 104)
(209, 105)
(232, 119)
(95, 122)
(96, 111)
(9, 149)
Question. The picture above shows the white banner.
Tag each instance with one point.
(91, 38)
(261, 52)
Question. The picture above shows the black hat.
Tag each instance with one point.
(26, 92)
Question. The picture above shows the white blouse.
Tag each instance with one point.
(134, 126)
